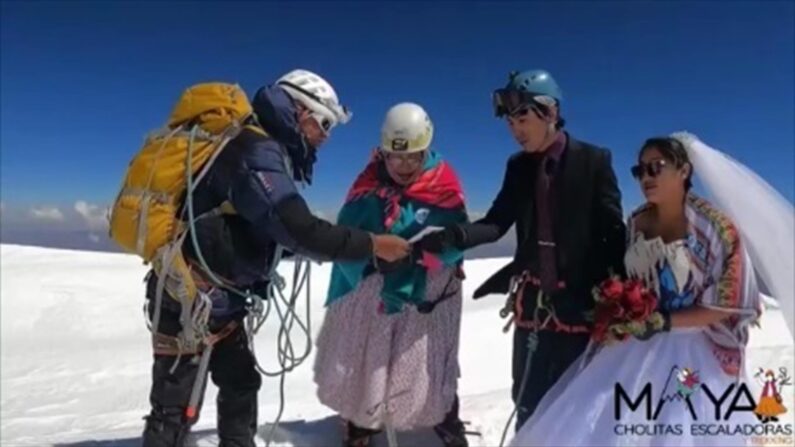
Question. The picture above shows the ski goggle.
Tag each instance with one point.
(652, 169)
(506, 101)
(340, 113)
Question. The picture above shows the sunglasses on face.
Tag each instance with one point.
(652, 169)
(412, 160)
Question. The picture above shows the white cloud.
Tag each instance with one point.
(47, 213)
(94, 216)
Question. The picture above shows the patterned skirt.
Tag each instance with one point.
(400, 369)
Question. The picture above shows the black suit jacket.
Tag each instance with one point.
(588, 222)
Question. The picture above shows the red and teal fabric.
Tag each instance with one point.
(378, 205)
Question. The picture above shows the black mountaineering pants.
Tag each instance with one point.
(232, 368)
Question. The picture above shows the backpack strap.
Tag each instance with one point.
(256, 129)
(226, 206)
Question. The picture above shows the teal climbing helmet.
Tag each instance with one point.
(527, 88)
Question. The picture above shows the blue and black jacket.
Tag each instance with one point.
(256, 174)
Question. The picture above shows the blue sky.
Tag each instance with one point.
(82, 82)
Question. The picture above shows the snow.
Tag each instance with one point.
(76, 357)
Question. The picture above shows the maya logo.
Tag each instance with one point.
(770, 403)
(683, 383)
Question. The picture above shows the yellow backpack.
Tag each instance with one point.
(144, 219)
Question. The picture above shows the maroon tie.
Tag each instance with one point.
(546, 239)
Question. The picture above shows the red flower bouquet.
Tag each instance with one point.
(623, 308)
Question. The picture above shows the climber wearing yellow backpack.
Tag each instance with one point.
(210, 202)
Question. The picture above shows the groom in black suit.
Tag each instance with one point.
(563, 197)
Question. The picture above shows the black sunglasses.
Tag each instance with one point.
(652, 169)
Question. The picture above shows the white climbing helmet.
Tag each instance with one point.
(407, 128)
(317, 95)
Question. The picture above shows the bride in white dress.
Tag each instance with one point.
(652, 388)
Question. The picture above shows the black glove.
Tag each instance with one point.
(650, 330)
(383, 266)
(439, 241)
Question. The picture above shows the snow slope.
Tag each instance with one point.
(76, 357)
